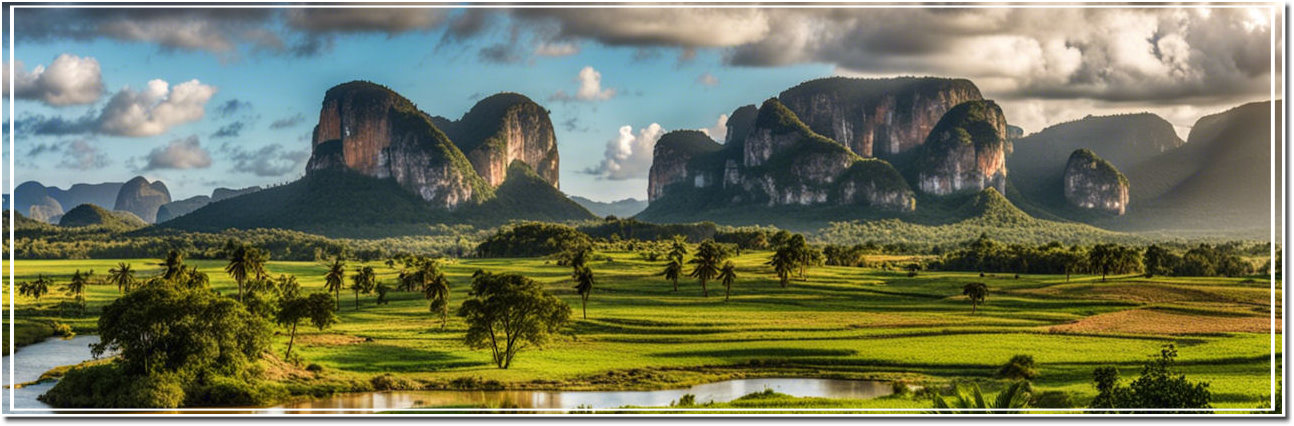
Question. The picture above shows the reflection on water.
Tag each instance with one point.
(717, 392)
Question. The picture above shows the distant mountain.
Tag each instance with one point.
(31, 193)
(92, 215)
(627, 207)
(143, 198)
(179, 208)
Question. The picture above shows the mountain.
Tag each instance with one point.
(877, 117)
(502, 128)
(524, 196)
(92, 215)
(143, 198)
(1094, 184)
(373, 130)
(31, 192)
(45, 209)
(179, 208)
(1219, 180)
(965, 151)
(625, 208)
(1125, 141)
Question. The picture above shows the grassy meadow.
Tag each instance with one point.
(841, 322)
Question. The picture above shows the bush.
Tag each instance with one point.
(107, 386)
(1020, 367)
(314, 368)
(61, 329)
(1051, 399)
(687, 400)
(388, 381)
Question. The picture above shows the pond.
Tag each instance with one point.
(31, 361)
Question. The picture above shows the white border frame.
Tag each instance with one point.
(1272, 8)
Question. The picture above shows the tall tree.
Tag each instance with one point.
(678, 248)
(246, 262)
(364, 281)
(36, 289)
(673, 270)
(76, 286)
(123, 276)
(709, 255)
(584, 285)
(509, 312)
(317, 307)
(976, 292)
(727, 275)
(335, 278)
(173, 265)
(783, 263)
(435, 288)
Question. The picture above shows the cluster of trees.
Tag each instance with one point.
(794, 255)
(986, 255)
(710, 262)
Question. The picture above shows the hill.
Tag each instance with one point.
(620, 208)
(92, 215)
(524, 196)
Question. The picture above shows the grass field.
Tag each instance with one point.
(840, 322)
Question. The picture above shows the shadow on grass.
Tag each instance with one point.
(373, 357)
(760, 353)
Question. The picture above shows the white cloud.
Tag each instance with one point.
(155, 109)
(628, 156)
(590, 88)
(81, 155)
(556, 49)
(718, 132)
(180, 154)
(69, 80)
(708, 80)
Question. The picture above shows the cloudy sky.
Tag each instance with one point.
(202, 98)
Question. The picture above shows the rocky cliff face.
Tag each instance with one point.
(670, 158)
(503, 128)
(143, 198)
(372, 130)
(966, 151)
(877, 117)
(45, 209)
(1094, 184)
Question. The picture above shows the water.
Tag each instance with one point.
(718, 392)
(33, 360)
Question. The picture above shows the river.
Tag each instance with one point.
(30, 361)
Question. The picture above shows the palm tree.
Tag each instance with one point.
(76, 287)
(673, 270)
(364, 281)
(708, 257)
(783, 263)
(36, 289)
(334, 279)
(122, 276)
(436, 289)
(246, 262)
(678, 249)
(584, 286)
(1015, 397)
(976, 292)
(727, 275)
(173, 265)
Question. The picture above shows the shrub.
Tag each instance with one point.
(687, 400)
(61, 329)
(1020, 367)
(314, 368)
(388, 381)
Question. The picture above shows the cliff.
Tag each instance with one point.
(45, 209)
(1094, 184)
(671, 156)
(877, 117)
(143, 198)
(504, 128)
(966, 151)
(374, 131)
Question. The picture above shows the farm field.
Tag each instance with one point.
(840, 322)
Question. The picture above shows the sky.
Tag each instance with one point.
(227, 97)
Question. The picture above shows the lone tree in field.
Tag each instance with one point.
(584, 286)
(509, 312)
(976, 292)
(317, 308)
(246, 262)
(673, 270)
(35, 289)
(783, 263)
(727, 274)
(435, 287)
(709, 255)
(335, 278)
(76, 287)
(122, 276)
(364, 281)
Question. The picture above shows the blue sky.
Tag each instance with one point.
(653, 60)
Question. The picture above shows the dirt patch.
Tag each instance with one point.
(1148, 321)
(328, 340)
(278, 370)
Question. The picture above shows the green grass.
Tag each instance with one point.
(841, 322)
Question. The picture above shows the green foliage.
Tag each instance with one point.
(972, 401)
(709, 257)
(364, 280)
(1159, 386)
(584, 282)
(37, 288)
(508, 312)
(123, 276)
(976, 293)
(524, 196)
(1020, 367)
(727, 275)
(532, 239)
(318, 308)
(92, 215)
(246, 262)
(1114, 259)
